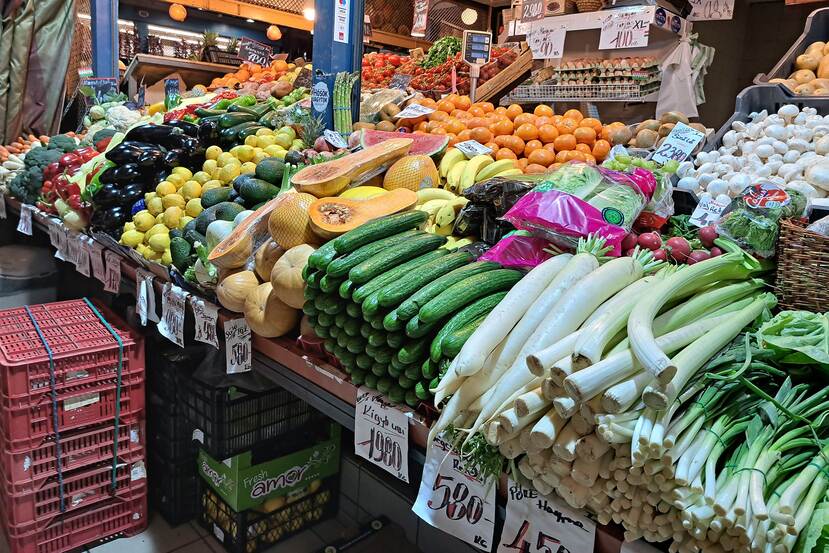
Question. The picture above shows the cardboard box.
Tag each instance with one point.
(244, 486)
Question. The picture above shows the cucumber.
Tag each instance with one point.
(309, 309)
(358, 377)
(443, 366)
(313, 279)
(346, 289)
(322, 256)
(306, 271)
(397, 394)
(347, 359)
(365, 330)
(356, 344)
(370, 305)
(416, 329)
(401, 289)
(319, 302)
(410, 307)
(330, 345)
(395, 362)
(434, 383)
(462, 318)
(352, 327)
(394, 372)
(429, 369)
(384, 385)
(412, 372)
(353, 310)
(333, 308)
(377, 338)
(370, 381)
(328, 284)
(322, 331)
(452, 344)
(391, 322)
(342, 265)
(378, 369)
(414, 351)
(411, 398)
(395, 339)
(324, 319)
(335, 332)
(422, 391)
(342, 338)
(466, 291)
(384, 355)
(340, 319)
(393, 274)
(310, 293)
(378, 229)
(405, 382)
(392, 257)
(372, 351)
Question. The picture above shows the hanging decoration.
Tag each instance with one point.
(177, 12)
(274, 33)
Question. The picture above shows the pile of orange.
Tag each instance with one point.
(538, 141)
(251, 72)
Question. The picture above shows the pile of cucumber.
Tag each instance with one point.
(395, 307)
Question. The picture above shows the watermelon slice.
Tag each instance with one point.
(424, 144)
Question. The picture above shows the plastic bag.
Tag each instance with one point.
(488, 201)
(580, 199)
(518, 251)
(752, 218)
(821, 226)
(660, 208)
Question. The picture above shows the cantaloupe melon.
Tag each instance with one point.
(412, 172)
(289, 223)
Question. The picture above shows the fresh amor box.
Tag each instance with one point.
(244, 486)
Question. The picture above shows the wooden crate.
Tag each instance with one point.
(508, 77)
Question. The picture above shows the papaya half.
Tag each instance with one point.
(331, 217)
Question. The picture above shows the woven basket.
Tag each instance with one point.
(802, 268)
(589, 5)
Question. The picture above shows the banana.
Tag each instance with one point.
(450, 158)
(494, 168)
(445, 230)
(445, 215)
(432, 206)
(450, 243)
(462, 242)
(510, 172)
(472, 169)
(425, 195)
(453, 179)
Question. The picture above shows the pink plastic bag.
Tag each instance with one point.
(517, 251)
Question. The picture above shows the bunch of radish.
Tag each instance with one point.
(675, 249)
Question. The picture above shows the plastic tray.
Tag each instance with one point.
(113, 519)
(173, 489)
(80, 448)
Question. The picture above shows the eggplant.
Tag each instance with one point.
(209, 133)
(129, 152)
(189, 129)
(152, 159)
(154, 134)
(122, 175)
(113, 194)
(182, 142)
(174, 157)
(111, 219)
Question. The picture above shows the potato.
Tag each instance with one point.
(802, 76)
(820, 92)
(807, 61)
(805, 89)
(651, 124)
(823, 68)
(818, 46)
(700, 127)
(665, 129)
(825, 50)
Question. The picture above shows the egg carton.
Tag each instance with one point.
(628, 63)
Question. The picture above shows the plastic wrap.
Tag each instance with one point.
(821, 226)
(488, 201)
(371, 106)
(518, 251)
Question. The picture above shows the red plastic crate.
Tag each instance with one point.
(78, 448)
(113, 519)
(83, 349)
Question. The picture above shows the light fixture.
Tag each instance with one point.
(309, 13)
(273, 33)
(249, 20)
(469, 16)
(177, 12)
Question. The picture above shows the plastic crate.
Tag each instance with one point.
(83, 349)
(106, 521)
(169, 432)
(87, 446)
(173, 489)
(251, 531)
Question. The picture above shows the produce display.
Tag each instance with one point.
(275, 80)
(810, 74)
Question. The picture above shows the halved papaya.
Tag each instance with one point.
(331, 217)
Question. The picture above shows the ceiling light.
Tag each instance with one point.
(469, 16)
(249, 20)
(309, 13)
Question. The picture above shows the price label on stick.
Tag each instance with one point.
(707, 212)
(381, 433)
(679, 144)
(145, 296)
(455, 498)
(414, 110)
(171, 325)
(625, 29)
(112, 280)
(25, 224)
(238, 349)
(546, 39)
(334, 138)
(400, 81)
(472, 148)
(96, 257)
(538, 524)
(82, 261)
(206, 315)
(255, 52)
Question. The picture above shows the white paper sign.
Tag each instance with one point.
(3, 206)
(707, 212)
(112, 281)
(472, 148)
(82, 260)
(341, 20)
(625, 30)
(334, 138)
(711, 10)
(171, 325)
(381, 433)
(145, 296)
(25, 224)
(238, 349)
(96, 257)
(679, 144)
(73, 243)
(205, 314)
(414, 110)
(454, 499)
(521, 27)
(538, 524)
(546, 39)
(62, 239)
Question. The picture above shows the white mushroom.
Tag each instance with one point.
(791, 156)
(803, 133)
(717, 187)
(684, 169)
(780, 147)
(822, 145)
(818, 175)
(778, 132)
(764, 150)
(705, 179)
(788, 171)
(730, 139)
(788, 111)
(798, 144)
(766, 140)
(740, 180)
(688, 183)
(774, 166)
(705, 168)
(774, 179)
(759, 116)
(740, 126)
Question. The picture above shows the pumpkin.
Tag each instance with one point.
(267, 254)
(177, 12)
(266, 315)
(286, 276)
(234, 289)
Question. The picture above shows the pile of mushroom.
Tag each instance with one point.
(789, 148)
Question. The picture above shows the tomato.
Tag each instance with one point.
(379, 64)
(395, 60)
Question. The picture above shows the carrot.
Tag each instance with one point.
(13, 150)
(4, 151)
(17, 144)
(43, 139)
(32, 138)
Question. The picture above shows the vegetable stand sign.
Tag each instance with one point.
(145, 296)
(455, 498)
(532, 10)
(238, 349)
(538, 524)
(171, 325)
(625, 30)
(97, 89)
(112, 280)
(707, 212)
(334, 138)
(206, 315)
(255, 52)
(679, 144)
(546, 39)
(381, 433)
(400, 81)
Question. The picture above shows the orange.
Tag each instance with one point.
(541, 109)
(513, 111)
(420, 132)
(543, 120)
(516, 144)
(505, 153)
(527, 131)
(477, 111)
(422, 126)
(562, 156)
(556, 119)
(589, 159)
(566, 126)
(465, 135)
(438, 116)
(573, 114)
(503, 127)
(553, 167)
(481, 134)
(486, 106)
(464, 115)
(501, 110)
(583, 148)
(547, 133)
(439, 130)
(454, 126)
(524, 118)
(503, 140)
(446, 106)
(492, 146)
(542, 157)
(564, 142)
(462, 102)
(477, 122)
(607, 129)
(453, 139)
(455, 112)
(594, 124)
(585, 135)
(534, 169)
(522, 164)
(551, 147)
(428, 102)
(532, 146)
(451, 97)
(600, 149)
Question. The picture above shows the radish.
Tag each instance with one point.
(715, 251)
(650, 240)
(629, 241)
(679, 248)
(630, 253)
(660, 255)
(707, 235)
(696, 256)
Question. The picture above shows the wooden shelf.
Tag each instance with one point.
(152, 69)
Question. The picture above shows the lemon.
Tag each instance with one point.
(190, 190)
(297, 144)
(151, 255)
(165, 187)
(201, 177)
(176, 178)
(265, 141)
(149, 196)
(250, 141)
(273, 148)
(184, 220)
(143, 220)
(172, 216)
(259, 157)
(173, 200)
(159, 219)
(212, 152)
(155, 206)
(283, 140)
(287, 130)
(141, 249)
(230, 172)
(210, 185)
(209, 166)
(243, 153)
(265, 131)
(225, 158)
(129, 225)
(159, 242)
(193, 207)
(248, 168)
(166, 257)
(132, 238)
(159, 228)
(184, 172)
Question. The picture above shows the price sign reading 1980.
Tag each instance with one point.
(381, 433)
(238, 350)
(624, 30)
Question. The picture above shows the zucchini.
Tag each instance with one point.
(466, 291)
(378, 369)
(322, 256)
(429, 369)
(412, 305)
(392, 257)
(411, 398)
(228, 120)
(393, 274)
(377, 338)
(358, 377)
(405, 382)
(391, 322)
(342, 265)
(395, 339)
(370, 381)
(346, 289)
(328, 284)
(462, 318)
(313, 279)
(353, 310)
(365, 330)
(378, 229)
(414, 352)
(416, 329)
(248, 131)
(452, 344)
(324, 319)
(401, 289)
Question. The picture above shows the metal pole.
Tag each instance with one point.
(104, 38)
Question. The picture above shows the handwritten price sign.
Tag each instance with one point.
(205, 314)
(454, 498)
(711, 10)
(532, 10)
(624, 30)
(171, 325)
(238, 351)
(145, 296)
(381, 434)
(112, 278)
(679, 144)
(255, 52)
(24, 225)
(546, 39)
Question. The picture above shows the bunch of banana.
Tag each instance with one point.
(460, 173)
(442, 206)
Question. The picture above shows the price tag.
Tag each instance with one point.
(381, 433)
(711, 10)
(171, 325)
(3, 206)
(538, 524)
(679, 144)
(98, 268)
(334, 138)
(96, 89)
(707, 212)
(82, 261)
(414, 110)
(62, 240)
(255, 52)
(138, 472)
(455, 499)
(238, 349)
(532, 10)
(25, 223)
(205, 314)
(145, 296)
(472, 148)
(625, 29)
(73, 243)
(546, 39)
(400, 82)
(521, 28)
(112, 280)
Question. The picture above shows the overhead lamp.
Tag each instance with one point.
(273, 33)
(177, 12)
(309, 13)
(469, 16)
(249, 20)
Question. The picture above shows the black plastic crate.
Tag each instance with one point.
(259, 529)
(169, 433)
(174, 489)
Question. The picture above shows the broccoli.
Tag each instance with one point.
(26, 184)
(41, 157)
(63, 143)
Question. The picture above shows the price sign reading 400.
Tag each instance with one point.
(625, 30)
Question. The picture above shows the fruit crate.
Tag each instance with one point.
(256, 530)
(83, 348)
(95, 524)
(169, 432)
(173, 489)
(38, 461)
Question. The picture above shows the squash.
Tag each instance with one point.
(234, 289)
(332, 177)
(331, 217)
(267, 254)
(266, 315)
(289, 223)
(237, 247)
(823, 68)
(286, 276)
(807, 61)
(217, 231)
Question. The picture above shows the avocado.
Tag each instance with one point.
(180, 250)
(191, 225)
(270, 169)
(241, 201)
(193, 236)
(294, 157)
(215, 196)
(255, 191)
(225, 211)
(175, 233)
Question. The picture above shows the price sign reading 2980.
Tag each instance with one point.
(381, 433)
